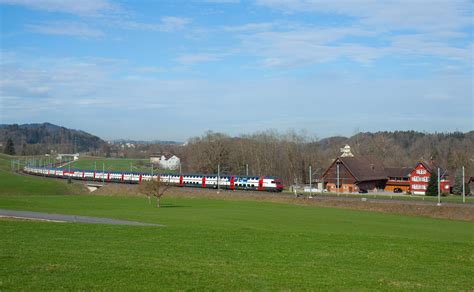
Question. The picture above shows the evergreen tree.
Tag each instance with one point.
(10, 147)
(432, 189)
(23, 149)
(457, 186)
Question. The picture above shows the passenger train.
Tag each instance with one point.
(230, 182)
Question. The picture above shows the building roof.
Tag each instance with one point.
(398, 171)
(166, 155)
(431, 166)
(363, 168)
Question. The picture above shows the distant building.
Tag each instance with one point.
(75, 156)
(420, 176)
(165, 161)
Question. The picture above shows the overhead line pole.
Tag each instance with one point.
(218, 177)
(463, 187)
(439, 189)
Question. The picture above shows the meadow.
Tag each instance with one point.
(224, 244)
(111, 164)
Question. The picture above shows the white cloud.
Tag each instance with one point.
(221, 1)
(150, 69)
(190, 59)
(171, 23)
(293, 46)
(166, 24)
(66, 28)
(249, 27)
(77, 7)
(400, 14)
(306, 46)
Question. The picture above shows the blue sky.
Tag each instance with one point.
(175, 69)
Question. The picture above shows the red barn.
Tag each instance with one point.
(420, 176)
(355, 174)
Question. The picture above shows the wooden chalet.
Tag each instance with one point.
(365, 173)
(398, 178)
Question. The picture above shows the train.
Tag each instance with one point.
(228, 182)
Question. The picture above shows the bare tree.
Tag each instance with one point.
(154, 188)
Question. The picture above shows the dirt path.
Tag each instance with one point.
(29, 215)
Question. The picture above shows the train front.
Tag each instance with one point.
(279, 185)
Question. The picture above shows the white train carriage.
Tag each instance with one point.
(230, 182)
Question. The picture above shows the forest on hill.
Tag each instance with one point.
(35, 139)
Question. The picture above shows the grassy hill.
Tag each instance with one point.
(16, 184)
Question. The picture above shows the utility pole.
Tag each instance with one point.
(322, 185)
(103, 172)
(439, 189)
(310, 184)
(152, 171)
(247, 169)
(218, 177)
(337, 172)
(179, 168)
(463, 187)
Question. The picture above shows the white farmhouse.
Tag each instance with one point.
(166, 161)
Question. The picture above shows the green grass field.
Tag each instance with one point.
(223, 244)
(112, 164)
